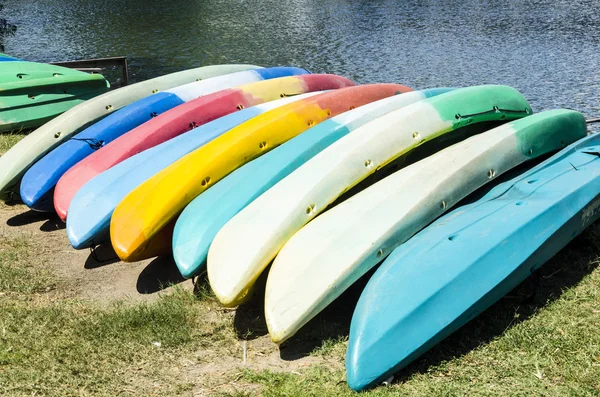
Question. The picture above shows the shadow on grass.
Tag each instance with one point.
(546, 285)
(159, 274)
(249, 320)
(333, 322)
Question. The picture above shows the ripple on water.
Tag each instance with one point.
(550, 50)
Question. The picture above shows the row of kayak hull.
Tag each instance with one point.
(246, 200)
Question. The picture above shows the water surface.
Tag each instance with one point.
(549, 50)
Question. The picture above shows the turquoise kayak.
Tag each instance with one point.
(198, 224)
(461, 264)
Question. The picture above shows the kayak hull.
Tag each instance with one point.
(440, 279)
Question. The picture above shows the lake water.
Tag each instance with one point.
(548, 49)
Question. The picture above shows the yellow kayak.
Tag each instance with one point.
(141, 225)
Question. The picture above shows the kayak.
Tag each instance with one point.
(87, 228)
(351, 238)
(250, 240)
(37, 186)
(146, 211)
(182, 119)
(7, 58)
(200, 221)
(483, 250)
(32, 93)
(21, 156)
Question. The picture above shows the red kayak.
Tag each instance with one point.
(182, 119)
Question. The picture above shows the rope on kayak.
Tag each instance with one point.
(594, 120)
(495, 109)
(95, 144)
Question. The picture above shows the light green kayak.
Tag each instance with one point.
(32, 93)
(20, 157)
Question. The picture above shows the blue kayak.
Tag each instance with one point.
(6, 58)
(465, 261)
(87, 227)
(38, 183)
(200, 221)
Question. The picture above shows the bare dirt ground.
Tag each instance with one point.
(80, 274)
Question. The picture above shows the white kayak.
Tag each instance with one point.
(351, 238)
(20, 157)
(250, 240)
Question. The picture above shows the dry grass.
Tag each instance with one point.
(8, 140)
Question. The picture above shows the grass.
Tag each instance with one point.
(546, 345)
(543, 339)
(55, 347)
(8, 140)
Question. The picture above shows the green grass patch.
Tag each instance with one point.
(17, 275)
(53, 346)
(69, 347)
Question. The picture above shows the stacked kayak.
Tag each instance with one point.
(238, 170)
(205, 102)
(32, 93)
(206, 215)
(142, 223)
(261, 229)
(34, 146)
(183, 119)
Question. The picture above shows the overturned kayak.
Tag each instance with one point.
(184, 118)
(201, 220)
(465, 261)
(32, 93)
(348, 240)
(86, 228)
(144, 213)
(37, 186)
(250, 240)
(21, 156)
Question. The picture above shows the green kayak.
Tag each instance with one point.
(32, 93)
